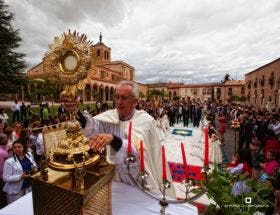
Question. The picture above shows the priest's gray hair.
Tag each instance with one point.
(135, 88)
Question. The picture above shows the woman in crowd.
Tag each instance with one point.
(269, 166)
(17, 171)
(3, 156)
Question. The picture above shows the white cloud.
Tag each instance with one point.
(192, 41)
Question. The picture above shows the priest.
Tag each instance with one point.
(110, 129)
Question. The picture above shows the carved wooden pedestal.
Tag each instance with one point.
(59, 195)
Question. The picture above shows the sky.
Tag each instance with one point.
(189, 41)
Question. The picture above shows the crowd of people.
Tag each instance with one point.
(21, 145)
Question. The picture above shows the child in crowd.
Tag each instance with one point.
(269, 166)
(16, 131)
(257, 157)
(243, 168)
(215, 149)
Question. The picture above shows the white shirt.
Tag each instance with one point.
(15, 107)
(4, 117)
(39, 144)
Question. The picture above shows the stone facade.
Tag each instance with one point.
(233, 88)
(263, 86)
(220, 92)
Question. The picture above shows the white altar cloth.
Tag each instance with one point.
(126, 200)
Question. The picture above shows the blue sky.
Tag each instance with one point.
(190, 41)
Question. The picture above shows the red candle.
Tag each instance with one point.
(163, 163)
(142, 165)
(206, 148)
(184, 160)
(129, 138)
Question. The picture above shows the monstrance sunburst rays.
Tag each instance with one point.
(68, 61)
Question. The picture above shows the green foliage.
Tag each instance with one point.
(219, 188)
(96, 95)
(155, 93)
(11, 61)
(44, 87)
(242, 99)
(233, 98)
(237, 98)
(141, 95)
(54, 109)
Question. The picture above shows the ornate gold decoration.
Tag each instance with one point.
(68, 60)
(235, 125)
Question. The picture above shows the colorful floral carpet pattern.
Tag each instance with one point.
(182, 132)
(178, 174)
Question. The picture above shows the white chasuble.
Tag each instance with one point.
(143, 128)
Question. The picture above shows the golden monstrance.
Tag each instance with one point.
(71, 181)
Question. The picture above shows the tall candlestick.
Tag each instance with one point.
(184, 160)
(129, 138)
(206, 148)
(163, 163)
(142, 164)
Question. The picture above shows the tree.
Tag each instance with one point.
(227, 78)
(11, 61)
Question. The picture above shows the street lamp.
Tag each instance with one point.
(235, 125)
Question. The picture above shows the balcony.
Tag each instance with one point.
(271, 80)
(249, 85)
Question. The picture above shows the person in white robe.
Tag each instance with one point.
(216, 156)
(110, 129)
(215, 152)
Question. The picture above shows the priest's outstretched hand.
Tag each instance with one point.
(99, 141)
